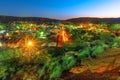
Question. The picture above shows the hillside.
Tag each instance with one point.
(30, 19)
(7, 19)
(94, 20)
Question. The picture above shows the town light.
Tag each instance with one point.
(30, 43)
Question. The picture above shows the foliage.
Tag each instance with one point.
(41, 34)
(115, 27)
(68, 62)
(2, 26)
(51, 62)
(9, 63)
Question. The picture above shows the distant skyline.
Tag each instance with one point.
(60, 9)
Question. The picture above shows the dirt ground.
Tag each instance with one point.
(105, 67)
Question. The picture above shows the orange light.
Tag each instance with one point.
(30, 48)
(30, 43)
(63, 37)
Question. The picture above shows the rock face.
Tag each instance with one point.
(105, 67)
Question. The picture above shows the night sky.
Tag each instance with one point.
(60, 9)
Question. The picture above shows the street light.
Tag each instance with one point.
(30, 43)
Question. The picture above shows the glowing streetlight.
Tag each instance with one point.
(30, 43)
(30, 47)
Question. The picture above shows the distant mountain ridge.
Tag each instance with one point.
(94, 20)
(30, 19)
(73, 20)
